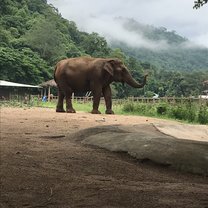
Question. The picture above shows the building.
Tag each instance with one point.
(10, 90)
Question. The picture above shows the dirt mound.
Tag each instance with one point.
(184, 131)
(147, 143)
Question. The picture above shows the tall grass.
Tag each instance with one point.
(185, 111)
(188, 111)
(78, 106)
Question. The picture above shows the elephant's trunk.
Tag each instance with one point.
(133, 83)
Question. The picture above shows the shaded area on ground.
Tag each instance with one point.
(147, 143)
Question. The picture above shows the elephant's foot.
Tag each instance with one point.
(71, 110)
(60, 110)
(95, 111)
(109, 111)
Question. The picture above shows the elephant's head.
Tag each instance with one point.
(120, 73)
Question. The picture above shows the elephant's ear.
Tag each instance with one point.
(109, 67)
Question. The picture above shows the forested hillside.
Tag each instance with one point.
(34, 36)
(170, 52)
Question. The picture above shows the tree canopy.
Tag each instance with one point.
(199, 3)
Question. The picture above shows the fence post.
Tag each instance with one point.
(49, 93)
(73, 97)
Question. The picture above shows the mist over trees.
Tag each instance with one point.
(34, 36)
(170, 51)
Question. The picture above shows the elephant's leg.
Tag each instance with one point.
(60, 107)
(108, 99)
(69, 107)
(96, 99)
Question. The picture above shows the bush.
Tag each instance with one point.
(162, 109)
(140, 108)
(203, 115)
(183, 111)
(187, 111)
(128, 107)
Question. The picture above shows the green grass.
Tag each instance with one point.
(186, 111)
(85, 107)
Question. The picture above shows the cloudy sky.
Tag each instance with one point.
(100, 16)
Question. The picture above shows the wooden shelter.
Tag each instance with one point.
(10, 90)
(47, 87)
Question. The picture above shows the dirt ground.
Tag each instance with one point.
(40, 167)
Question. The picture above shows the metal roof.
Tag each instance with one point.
(13, 84)
(50, 83)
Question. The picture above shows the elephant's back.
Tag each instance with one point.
(73, 72)
(79, 64)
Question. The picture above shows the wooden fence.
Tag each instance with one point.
(167, 99)
(170, 100)
(89, 99)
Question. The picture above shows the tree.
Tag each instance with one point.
(95, 45)
(199, 3)
(73, 51)
(23, 66)
(44, 38)
(118, 53)
(5, 37)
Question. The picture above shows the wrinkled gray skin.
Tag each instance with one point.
(90, 74)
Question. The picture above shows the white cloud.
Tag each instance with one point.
(201, 39)
(116, 31)
(98, 16)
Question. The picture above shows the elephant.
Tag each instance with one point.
(90, 74)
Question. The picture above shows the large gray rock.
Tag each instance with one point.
(146, 142)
